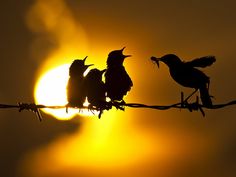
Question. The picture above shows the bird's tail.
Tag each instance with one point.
(205, 97)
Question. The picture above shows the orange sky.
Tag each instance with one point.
(137, 142)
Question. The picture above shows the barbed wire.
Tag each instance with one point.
(183, 104)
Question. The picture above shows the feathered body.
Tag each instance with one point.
(117, 80)
(95, 88)
(187, 75)
(76, 91)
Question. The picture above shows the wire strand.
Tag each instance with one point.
(195, 106)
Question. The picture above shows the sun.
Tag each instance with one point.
(50, 90)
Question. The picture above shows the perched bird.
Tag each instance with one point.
(117, 80)
(95, 87)
(76, 91)
(187, 75)
(95, 90)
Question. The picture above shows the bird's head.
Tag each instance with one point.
(171, 60)
(95, 74)
(116, 57)
(78, 67)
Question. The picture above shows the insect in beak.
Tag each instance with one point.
(156, 60)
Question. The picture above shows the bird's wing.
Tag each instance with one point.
(202, 62)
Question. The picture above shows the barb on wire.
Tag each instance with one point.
(194, 106)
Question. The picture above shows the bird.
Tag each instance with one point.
(95, 90)
(117, 80)
(76, 91)
(95, 87)
(187, 74)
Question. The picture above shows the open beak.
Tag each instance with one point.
(85, 59)
(122, 49)
(156, 60)
(89, 65)
(127, 56)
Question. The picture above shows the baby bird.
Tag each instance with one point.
(76, 91)
(95, 90)
(117, 80)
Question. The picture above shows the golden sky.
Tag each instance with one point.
(39, 34)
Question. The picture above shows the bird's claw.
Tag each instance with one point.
(67, 107)
(195, 107)
(184, 102)
(91, 108)
(191, 106)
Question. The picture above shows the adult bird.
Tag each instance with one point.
(117, 80)
(187, 75)
(95, 90)
(76, 91)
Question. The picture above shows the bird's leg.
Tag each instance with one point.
(208, 87)
(199, 107)
(90, 108)
(186, 99)
(66, 109)
(100, 113)
(101, 106)
(196, 107)
(80, 109)
(123, 104)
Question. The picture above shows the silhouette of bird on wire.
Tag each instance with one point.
(117, 80)
(76, 91)
(187, 75)
(95, 90)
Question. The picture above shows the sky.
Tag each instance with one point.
(40, 34)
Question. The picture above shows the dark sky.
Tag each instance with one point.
(189, 144)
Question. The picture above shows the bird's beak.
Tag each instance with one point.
(156, 60)
(127, 56)
(89, 65)
(122, 49)
(85, 59)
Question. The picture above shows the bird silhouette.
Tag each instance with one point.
(187, 75)
(95, 87)
(117, 80)
(76, 91)
(95, 90)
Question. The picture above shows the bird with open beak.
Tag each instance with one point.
(76, 92)
(117, 80)
(187, 75)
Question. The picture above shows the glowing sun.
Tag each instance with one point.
(50, 90)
